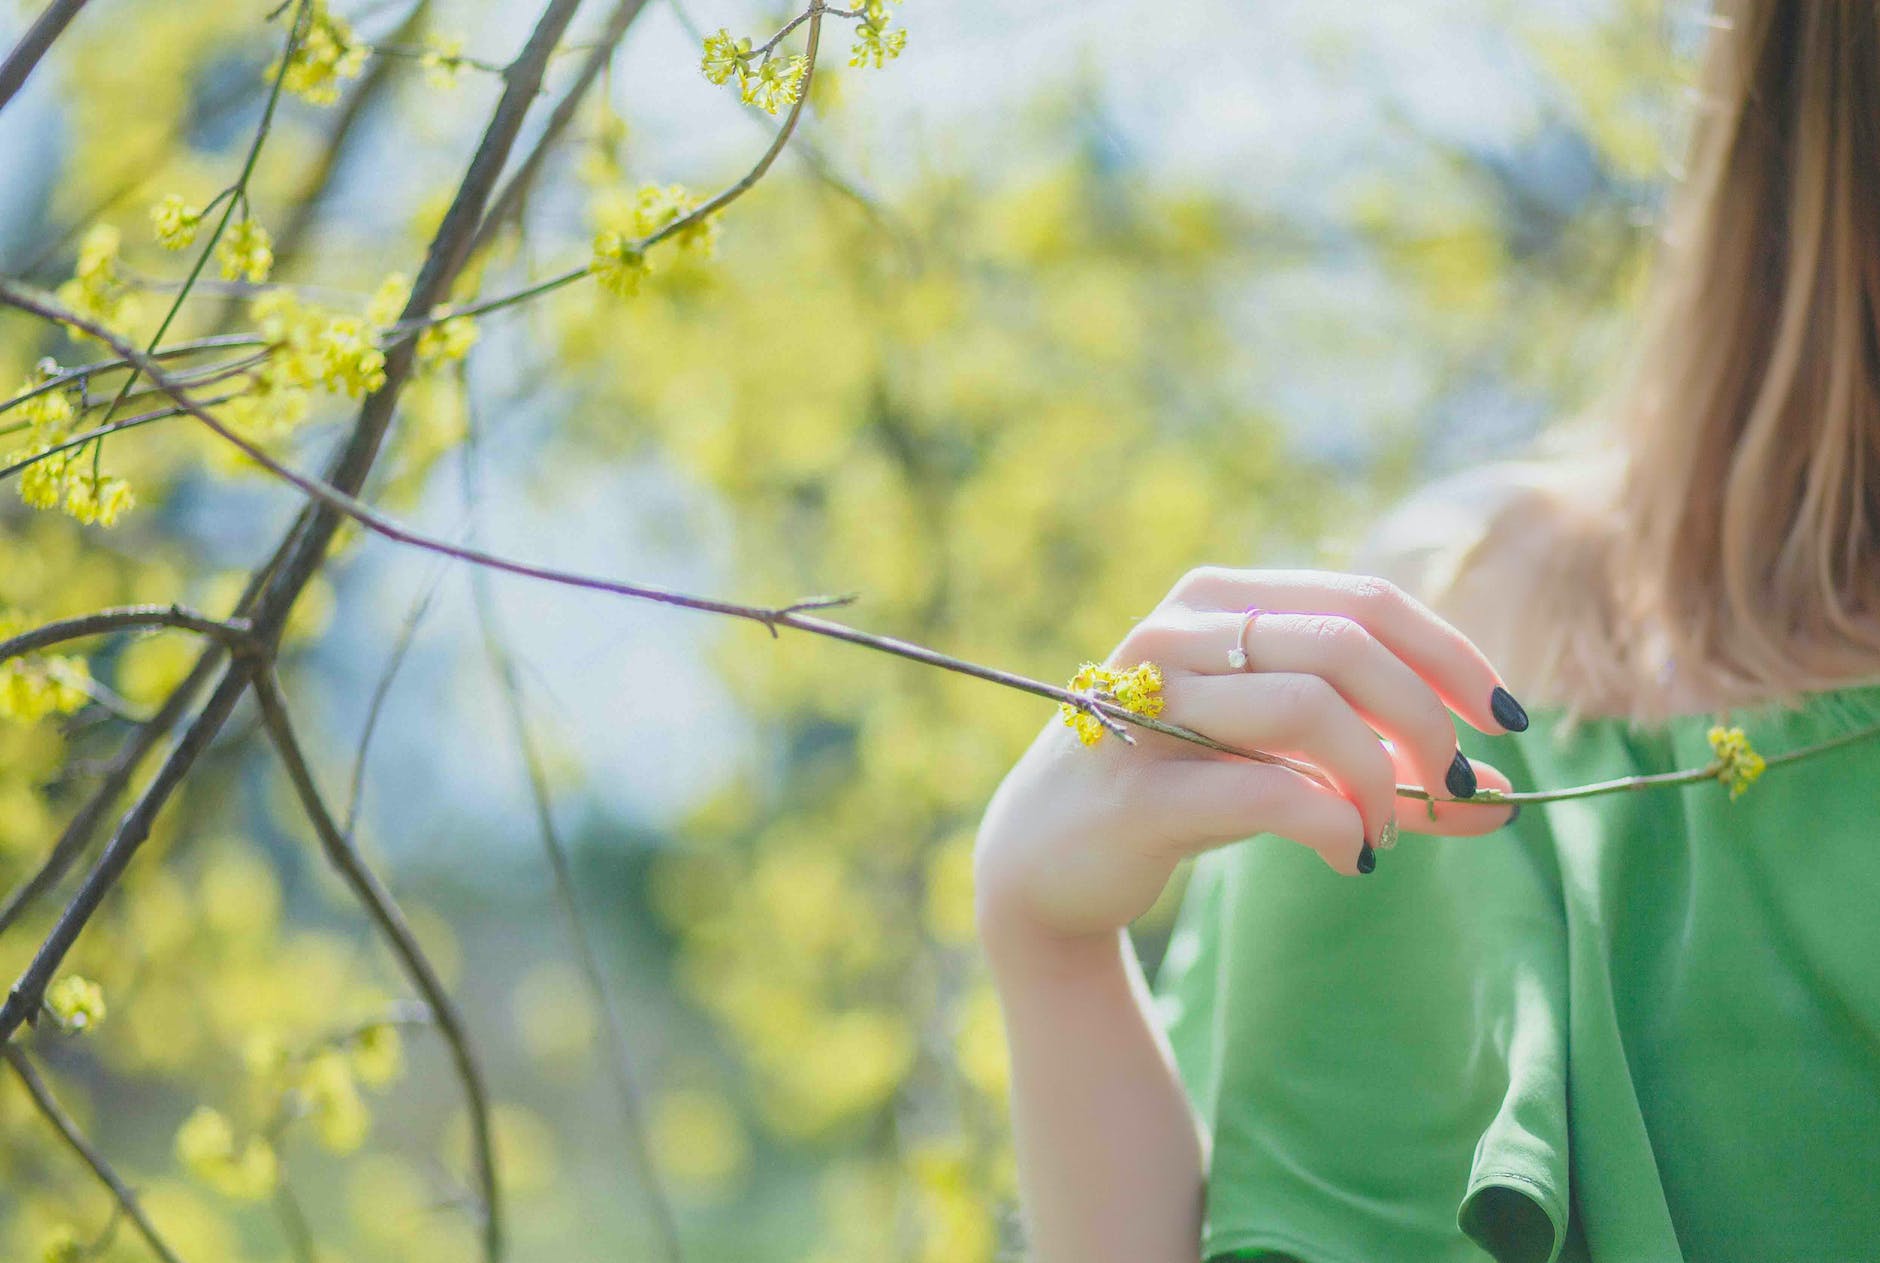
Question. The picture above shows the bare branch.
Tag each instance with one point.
(46, 28)
(384, 912)
(771, 617)
(62, 1123)
(233, 633)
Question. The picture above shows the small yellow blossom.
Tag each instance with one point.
(205, 1145)
(777, 83)
(94, 498)
(39, 685)
(619, 264)
(77, 1002)
(61, 1245)
(246, 252)
(447, 341)
(1738, 764)
(175, 222)
(350, 360)
(442, 60)
(378, 1054)
(1137, 689)
(873, 41)
(326, 54)
(388, 300)
(332, 1096)
(725, 57)
(97, 289)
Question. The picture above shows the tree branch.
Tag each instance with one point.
(510, 200)
(233, 633)
(384, 912)
(63, 1124)
(46, 28)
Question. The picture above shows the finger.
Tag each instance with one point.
(1453, 819)
(1302, 716)
(1381, 687)
(1459, 672)
(1224, 800)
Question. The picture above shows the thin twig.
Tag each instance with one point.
(381, 690)
(620, 1057)
(233, 632)
(62, 1123)
(384, 912)
(46, 28)
(294, 1226)
(131, 422)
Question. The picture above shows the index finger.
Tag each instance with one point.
(1449, 661)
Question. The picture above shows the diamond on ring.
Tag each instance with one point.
(1237, 656)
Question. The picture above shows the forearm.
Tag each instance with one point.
(1110, 1160)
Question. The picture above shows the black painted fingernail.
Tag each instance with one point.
(1461, 778)
(1508, 712)
(1515, 814)
(1367, 858)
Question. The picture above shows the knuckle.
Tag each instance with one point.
(1299, 701)
(1342, 640)
(1376, 591)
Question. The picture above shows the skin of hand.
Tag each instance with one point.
(1346, 672)
(1079, 840)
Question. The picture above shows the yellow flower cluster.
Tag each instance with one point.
(205, 1145)
(442, 61)
(35, 687)
(775, 81)
(332, 1099)
(447, 341)
(1738, 764)
(62, 479)
(873, 40)
(77, 1002)
(1138, 689)
(175, 222)
(246, 252)
(626, 222)
(378, 1054)
(61, 1245)
(96, 289)
(325, 55)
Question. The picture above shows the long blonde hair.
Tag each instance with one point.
(1717, 520)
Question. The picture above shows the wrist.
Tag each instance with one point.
(1019, 947)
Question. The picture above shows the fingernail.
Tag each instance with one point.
(1508, 712)
(1461, 778)
(1367, 858)
(1515, 814)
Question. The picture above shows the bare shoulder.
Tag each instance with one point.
(1505, 551)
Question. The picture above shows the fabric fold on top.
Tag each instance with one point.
(1546, 1044)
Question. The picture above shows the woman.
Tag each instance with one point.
(1629, 1028)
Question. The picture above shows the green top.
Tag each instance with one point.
(1634, 1028)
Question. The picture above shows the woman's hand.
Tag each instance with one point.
(1078, 841)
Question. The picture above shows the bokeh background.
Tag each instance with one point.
(1073, 296)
